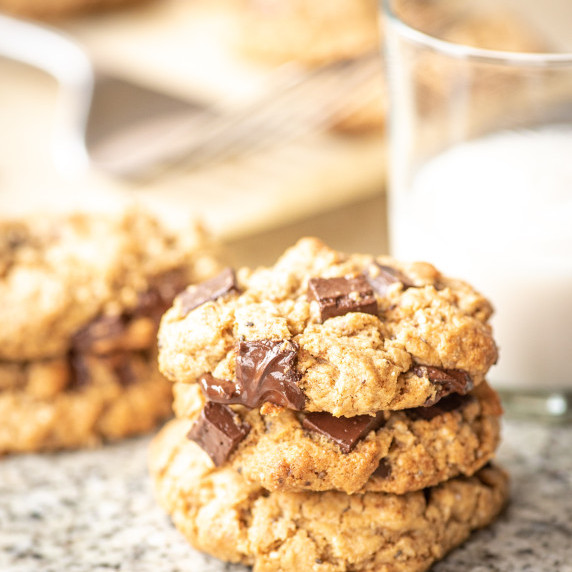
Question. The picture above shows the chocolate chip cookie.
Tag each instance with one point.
(67, 277)
(221, 513)
(82, 298)
(322, 331)
(80, 401)
(58, 8)
(394, 451)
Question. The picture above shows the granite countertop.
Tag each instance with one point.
(93, 511)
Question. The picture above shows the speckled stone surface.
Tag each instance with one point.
(93, 511)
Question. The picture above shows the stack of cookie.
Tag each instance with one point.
(82, 296)
(332, 414)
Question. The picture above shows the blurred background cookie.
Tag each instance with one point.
(82, 298)
(59, 8)
(279, 31)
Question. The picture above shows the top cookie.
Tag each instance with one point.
(326, 331)
(72, 279)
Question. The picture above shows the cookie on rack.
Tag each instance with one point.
(222, 514)
(325, 331)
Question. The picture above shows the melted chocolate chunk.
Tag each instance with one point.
(345, 431)
(445, 405)
(449, 381)
(266, 371)
(338, 296)
(381, 277)
(218, 431)
(383, 469)
(196, 295)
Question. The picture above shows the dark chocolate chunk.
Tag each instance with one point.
(338, 296)
(266, 371)
(79, 372)
(100, 334)
(383, 469)
(160, 293)
(218, 431)
(345, 431)
(15, 236)
(449, 381)
(195, 296)
(120, 364)
(381, 277)
(445, 405)
(103, 334)
(218, 390)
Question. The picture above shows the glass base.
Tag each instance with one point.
(548, 406)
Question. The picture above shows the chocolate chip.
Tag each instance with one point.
(15, 237)
(80, 376)
(122, 367)
(99, 334)
(218, 431)
(445, 405)
(338, 296)
(196, 295)
(103, 334)
(449, 381)
(266, 371)
(383, 469)
(381, 277)
(345, 431)
(119, 363)
(160, 293)
(218, 390)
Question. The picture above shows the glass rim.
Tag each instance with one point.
(466, 52)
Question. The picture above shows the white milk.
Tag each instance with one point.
(497, 212)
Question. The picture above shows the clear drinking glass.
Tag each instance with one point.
(481, 172)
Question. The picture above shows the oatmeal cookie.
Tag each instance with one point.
(220, 513)
(82, 298)
(325, 331)
(397, 452)
(66, 279)
(80, 400)
(58, 8)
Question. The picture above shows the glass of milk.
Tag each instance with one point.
(481, 172)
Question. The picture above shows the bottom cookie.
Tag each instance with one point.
(220, 513)
(76, 402)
